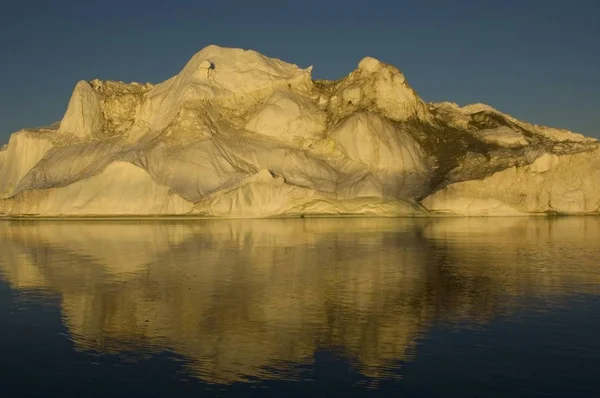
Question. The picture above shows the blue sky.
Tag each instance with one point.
(537, 60)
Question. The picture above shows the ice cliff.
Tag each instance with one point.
(238, 134)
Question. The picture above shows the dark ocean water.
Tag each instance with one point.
(506, 307)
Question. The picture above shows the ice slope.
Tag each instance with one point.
(238, 134)
(121, 188)
(551, 184)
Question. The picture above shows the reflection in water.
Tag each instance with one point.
(245, 299)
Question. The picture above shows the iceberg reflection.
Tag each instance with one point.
(244, 299)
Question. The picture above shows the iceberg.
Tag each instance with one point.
(239, 134)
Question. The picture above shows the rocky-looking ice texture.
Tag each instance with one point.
(237, 134)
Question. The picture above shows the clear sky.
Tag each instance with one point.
(538, 60)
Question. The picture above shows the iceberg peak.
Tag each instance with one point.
(83, 117)
(372, 65)
(237, 70)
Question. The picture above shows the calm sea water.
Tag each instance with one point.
(504, 307)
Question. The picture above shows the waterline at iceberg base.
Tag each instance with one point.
(238, 134)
